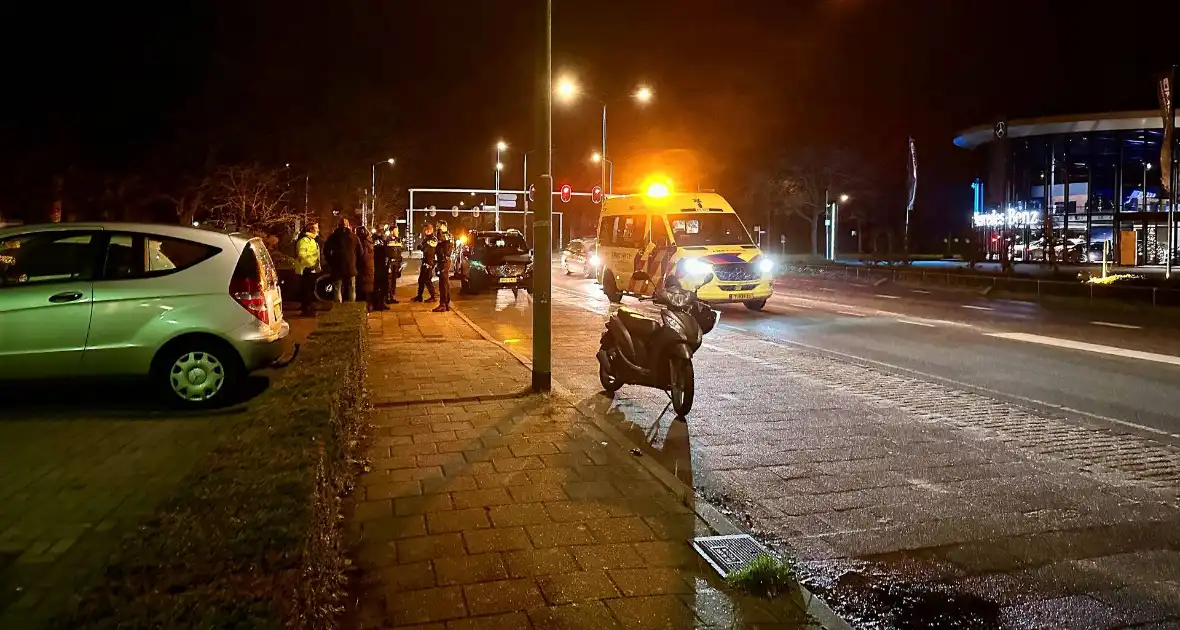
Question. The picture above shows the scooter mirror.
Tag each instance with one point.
(708, 278)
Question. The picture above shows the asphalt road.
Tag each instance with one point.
(925, 455)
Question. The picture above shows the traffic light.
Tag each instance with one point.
(532, 192)
(567, 193)
(596, 194)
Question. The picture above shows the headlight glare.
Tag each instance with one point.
(766, 265)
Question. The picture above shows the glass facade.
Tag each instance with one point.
(1070, 197)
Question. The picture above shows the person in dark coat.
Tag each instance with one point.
(442, 264)
(384, 272)
(364, 264)
(340, 250)
(426, 271)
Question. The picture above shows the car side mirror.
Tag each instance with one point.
(641, 276)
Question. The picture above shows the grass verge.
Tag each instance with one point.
(253, 537)
(765, 576)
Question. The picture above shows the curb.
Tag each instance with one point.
(811, 604)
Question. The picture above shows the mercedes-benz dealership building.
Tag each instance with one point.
(1086, 182)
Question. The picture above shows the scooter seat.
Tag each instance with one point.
(638, 325)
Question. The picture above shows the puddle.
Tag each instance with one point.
(868, 595)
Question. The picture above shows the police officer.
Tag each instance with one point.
(384, 248)
(426, 271)
(442, 264)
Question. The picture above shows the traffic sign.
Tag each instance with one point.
(507, 197)
(596, 194)
(566, 193)
(507, 203)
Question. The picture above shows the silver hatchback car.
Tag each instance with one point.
(194, 310)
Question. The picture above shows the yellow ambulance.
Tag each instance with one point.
(691, 235)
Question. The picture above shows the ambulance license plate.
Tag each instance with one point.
(741, 297)
(507, 280)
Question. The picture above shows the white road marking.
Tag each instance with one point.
(888, 297)
(1114, 325)
(977, 308)
(827, 289)
(973, 387)
(920, 291)
(1089, 347)
(851, 314)
(913, 323)
(728, 327)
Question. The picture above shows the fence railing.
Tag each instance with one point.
(1154, 296)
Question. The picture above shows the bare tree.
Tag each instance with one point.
(251, 198)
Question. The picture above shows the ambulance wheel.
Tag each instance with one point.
(755, 305)
(610, 288)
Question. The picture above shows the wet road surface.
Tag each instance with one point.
(929, 464)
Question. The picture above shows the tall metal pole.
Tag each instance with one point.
(835, 223)
(827, 208)
(604, 158)
(525, 178)
(306, 197)
(372, 196)
(542, 236)
(496, 168)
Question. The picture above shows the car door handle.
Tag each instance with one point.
(68, 296)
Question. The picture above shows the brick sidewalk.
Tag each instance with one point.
(499, 509)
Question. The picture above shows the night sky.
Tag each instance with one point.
(333, 86)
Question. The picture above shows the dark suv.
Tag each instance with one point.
(495, 260)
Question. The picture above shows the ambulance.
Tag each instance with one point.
(692, 235)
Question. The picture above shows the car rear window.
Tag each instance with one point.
(131, 256)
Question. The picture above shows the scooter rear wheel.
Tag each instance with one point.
(683, 385)
(610, 382)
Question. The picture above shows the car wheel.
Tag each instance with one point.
(755, 305)
(198, 373)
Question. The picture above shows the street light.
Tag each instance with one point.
(843, 198)
(567, 90)
(833, 208)
(373, 191)
(500, 147)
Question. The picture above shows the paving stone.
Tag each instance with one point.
(432, 604)
(503, 596)
(612, 556)
(576, 587)
(406, 577)
(608, 530)
(650, 581)
(393, 528)
(583, 616)
(519, 514)
(392, 490)
(457, 521)
(481, 498)
(564, 511)
(663, 553)
(412, 550)
(499, 539)
(469, 569)
(661, 612)
(423, 504)
(510, 621)
(560, 535)
(535, 562)
(535, 492)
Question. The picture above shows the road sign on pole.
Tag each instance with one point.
(507, 203)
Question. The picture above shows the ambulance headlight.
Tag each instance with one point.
(595, 260)
(696, 267)
(766, 265)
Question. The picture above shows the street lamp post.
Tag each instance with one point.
(373, 193)
(499, 166)
(542, 380)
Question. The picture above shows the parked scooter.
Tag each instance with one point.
(639, 350)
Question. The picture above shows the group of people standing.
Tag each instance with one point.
(436, 247)
(363, 266)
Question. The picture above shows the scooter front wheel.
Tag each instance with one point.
(683, 385)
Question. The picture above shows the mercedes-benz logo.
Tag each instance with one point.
(1001, 129)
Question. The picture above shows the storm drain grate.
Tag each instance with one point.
(727, 554)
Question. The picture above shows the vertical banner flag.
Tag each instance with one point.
(1169, 119)
(913, 177)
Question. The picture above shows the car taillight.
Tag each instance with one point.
(248, 292)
